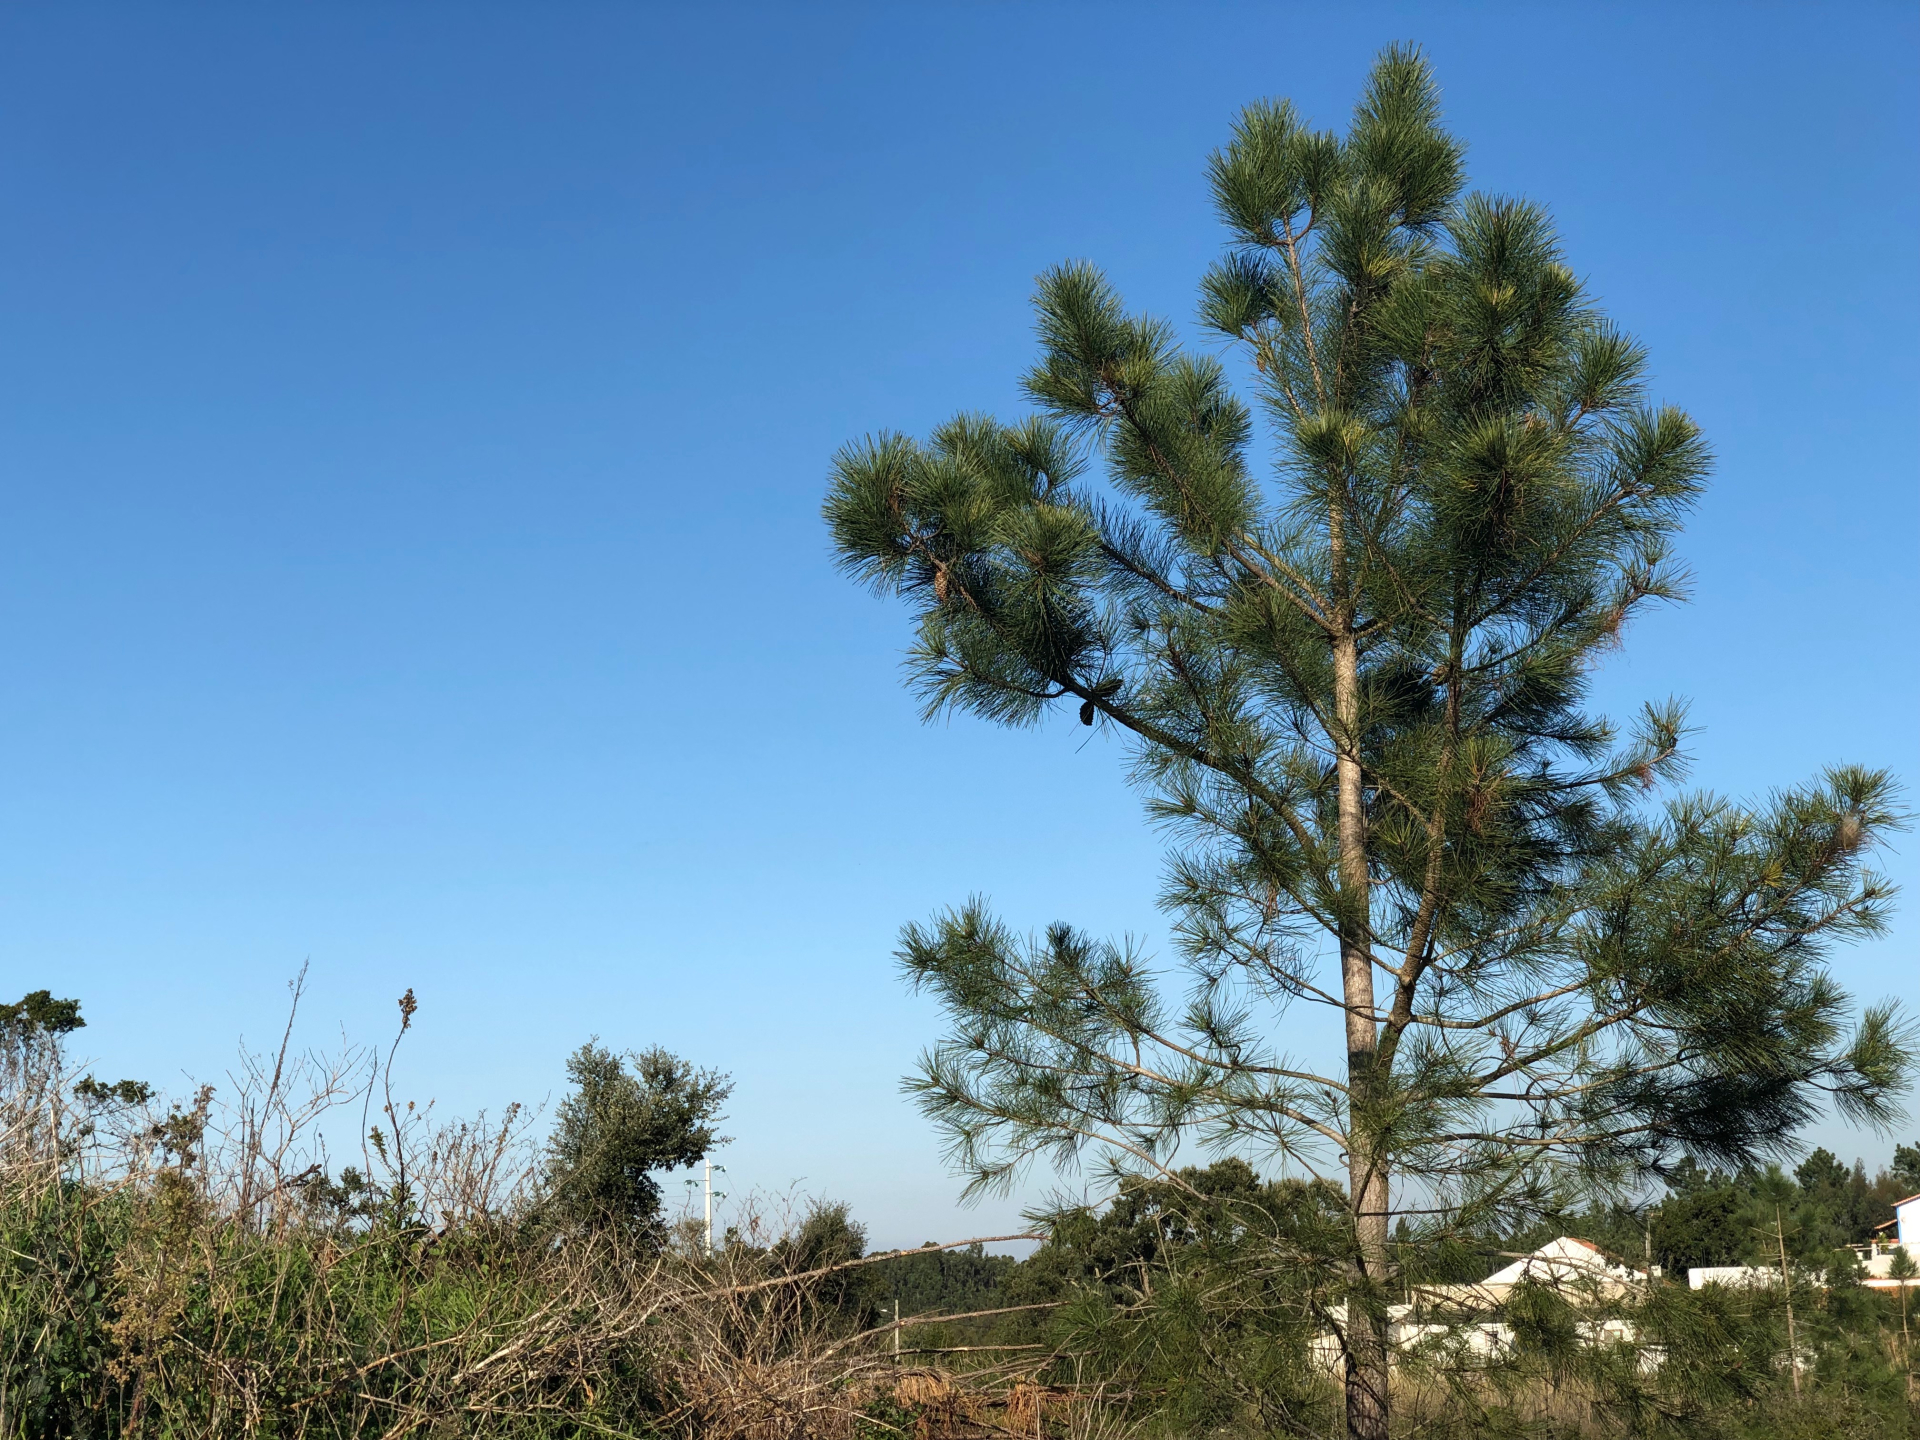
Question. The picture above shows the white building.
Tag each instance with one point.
(1906, 1222)
(1577, 1268)
(1734, 1277)
(1563, 1264)
(1878, 1257)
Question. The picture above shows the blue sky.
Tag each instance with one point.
(414, 421)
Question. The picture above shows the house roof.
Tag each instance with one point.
(1559, 1259)
(1889, 1224)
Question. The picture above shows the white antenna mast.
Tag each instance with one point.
(707, 1198)
(711, 1167)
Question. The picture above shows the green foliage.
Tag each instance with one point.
(145, 1291)
(942, 1282)
(31, 1031)
(1209, 1216)
(110, 1312)
(56, 1270)
(1715, 1218)
(1191, 1292)
(1707, 1363)
(138, 1302)
(39, 1014)
(120, 1093)
(1354, 687)
(619, 1125)
(1906, 1168)
(932, 1281)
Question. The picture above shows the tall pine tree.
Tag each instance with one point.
(1353, 686)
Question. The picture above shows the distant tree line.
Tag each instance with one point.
(1704, 1218)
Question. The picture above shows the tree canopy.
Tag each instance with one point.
(1353, 681)
(628, 1117)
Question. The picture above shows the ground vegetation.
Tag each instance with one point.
(206, 1268)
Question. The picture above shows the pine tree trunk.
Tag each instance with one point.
(1367, 1358)
(1367, 1361)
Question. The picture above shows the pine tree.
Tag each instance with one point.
(1353, 687)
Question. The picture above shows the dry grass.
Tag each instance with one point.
(211, 1270)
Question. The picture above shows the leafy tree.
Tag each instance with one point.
(38, 1014)
(1837, 1205)
(32, 1031)
(1906, 1169)
(829, 1235)
(1353, 688)
(1702, 1222)
(620, 1125)
(1905, 1271)
(1205, 1216)
(1710, 1217)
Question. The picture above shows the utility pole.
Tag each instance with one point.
(896, 1331)
(711, 1167)
(707, 1198)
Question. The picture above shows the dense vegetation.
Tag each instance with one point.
(190, 1271)
(1177, 1305)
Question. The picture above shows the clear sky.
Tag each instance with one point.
(414, 421)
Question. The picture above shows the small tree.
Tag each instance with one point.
(32, 1031)
(1354, 693)
(1905, 1169)
(620, 1125)
(1902, 1269)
